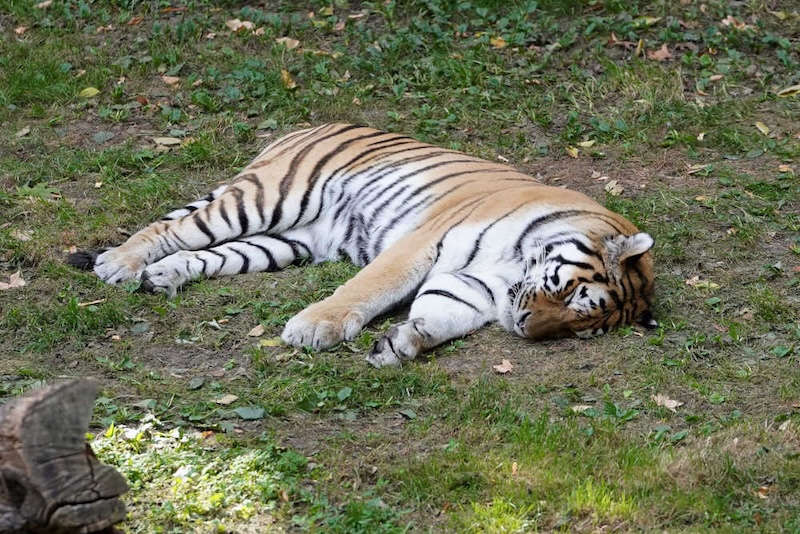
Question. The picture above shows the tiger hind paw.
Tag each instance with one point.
(115, 268)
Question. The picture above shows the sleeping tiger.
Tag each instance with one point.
(465, 240)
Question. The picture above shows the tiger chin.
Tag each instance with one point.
(466, 241)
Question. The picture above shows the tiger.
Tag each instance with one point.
(464, 240)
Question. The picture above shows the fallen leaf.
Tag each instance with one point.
(19, 235)
(258, 330)
(288, 42)
(780, 15)
(89, 92)
(698, 168)
(701, 136)
(763, 128)
(498, 42)
(259, 31)
(14, 281)
(587, 144)
(356, 16)
(763, 492)
(43, 5)
(614, 188)
(701, 284)
(19, 30)
(613, 40)
(785, 168)
(142, 100)
(792, 90)
(91, 303)
(408, 413)
(572, 151)
(715, 77)
(701, 198)
(514, 469)
(226, 399)
(271, 342)
(98, 185)
(171, 80)
(167, 141)
(735, 23)
(662, 54)
(666, 402)
(23, 132)
(249, 413)
(504, 367)
(288, 81)
(579, 408)
(339, 26)
(135, 20)
(196, 382)
(236, 25)
(102, 136)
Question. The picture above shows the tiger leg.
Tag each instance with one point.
(447, 306)
(251, 254)
(238, 209)
(388, 280)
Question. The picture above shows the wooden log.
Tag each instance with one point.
(50, 480)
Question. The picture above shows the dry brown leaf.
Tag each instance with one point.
(171, 80)
(339, 26)
(14, 281)
(91, 303)
(735, 23)
(701, 284)
(701, 136)
(503, 368)
(19, 30)
(572, 151)
(356, 16)
(236, 25)
(271, 342)
(257, 331)
(763, 128)
(498, 42)
(697, 168)
(666, 402)
(98, 185)
(662, 54)
(20, 235)
(614, 188)
(226, 399)
(514, 469)
(288, 42)
(715, 77)
(259, 31)
(135, 20)
(785, 168)
(579, 408)
(792, 90)
(288, 81)
(43, 5)
(167, 141)
(23, 132)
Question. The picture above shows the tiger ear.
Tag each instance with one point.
(622, 249)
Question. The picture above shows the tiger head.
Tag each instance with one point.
(577, 287)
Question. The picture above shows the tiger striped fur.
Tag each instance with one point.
(465, 240)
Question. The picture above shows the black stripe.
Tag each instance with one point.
(223, 212)
(476, 246)
(288, 180)
(447, 294)
(315, 172)
(293, 243)
(480, 283)
(219, 254)
(204, 265)
(245, 260)
(244, 223)
(203, 227)
(273, 266)
(253, 179)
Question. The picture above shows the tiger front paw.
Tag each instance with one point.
(320, 326)
(402, 342)
(114, 266)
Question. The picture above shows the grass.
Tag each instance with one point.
(572, 439)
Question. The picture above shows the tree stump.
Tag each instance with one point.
(50, 480)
